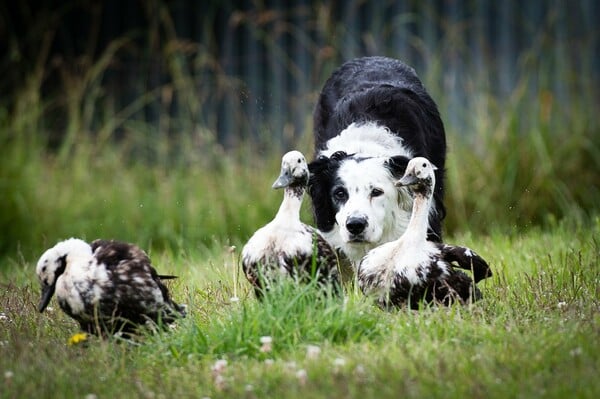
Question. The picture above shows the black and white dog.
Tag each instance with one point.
(373, 115)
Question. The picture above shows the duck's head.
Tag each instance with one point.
(52, 265)
(419, 176)
(294, 171)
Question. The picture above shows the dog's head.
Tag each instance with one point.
(355, 202)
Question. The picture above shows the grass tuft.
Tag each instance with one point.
(291, 316)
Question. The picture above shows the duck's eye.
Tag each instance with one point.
(299, 160)
(424, 165)
(376, 192)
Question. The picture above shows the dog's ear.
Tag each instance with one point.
(317, 166)
(319, 186)
(324, 164)
(396, 165)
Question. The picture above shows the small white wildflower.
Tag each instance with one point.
(269, 362)
(302, 376)
(576, 351)
(266, 344)
(338, 363)
(8, 375)
(49, 309)
(91, 396)
(249, 388)
(359, 370)
(561, 305)
(313, 351)
(234, 299)
(266, 339)
(219, 366)
(291, 365)
(3, 316)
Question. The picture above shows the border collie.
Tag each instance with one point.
(372, 117)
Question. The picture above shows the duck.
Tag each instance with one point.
(108, 286)
(287, 247)
(411, 270)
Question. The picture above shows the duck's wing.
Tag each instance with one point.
(112, 252)
(465, 258)
(325, 252)
(458, 285)
(136, 286)
(326, 255)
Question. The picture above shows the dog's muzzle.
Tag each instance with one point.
(356, 226)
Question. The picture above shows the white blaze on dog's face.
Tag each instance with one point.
(370, 210)
(367, 139)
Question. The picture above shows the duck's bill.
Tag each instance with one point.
(407, 180)
(47, 293)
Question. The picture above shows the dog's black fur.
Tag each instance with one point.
(388, 92)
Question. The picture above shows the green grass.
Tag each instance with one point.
(535, 334)
(110, 193)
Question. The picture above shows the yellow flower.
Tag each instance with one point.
(78, 338)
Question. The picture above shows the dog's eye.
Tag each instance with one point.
(340, 194)
(376, 192)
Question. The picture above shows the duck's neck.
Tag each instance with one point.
(419, 219)
(76, 261)
(291, 204)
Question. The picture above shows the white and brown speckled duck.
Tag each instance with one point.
(107, 286)
(411, 269)
(286, 246)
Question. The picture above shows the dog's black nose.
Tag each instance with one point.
(356, 225)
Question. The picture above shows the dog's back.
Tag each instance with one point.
(377, 89)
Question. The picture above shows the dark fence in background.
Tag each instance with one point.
(235, 70)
